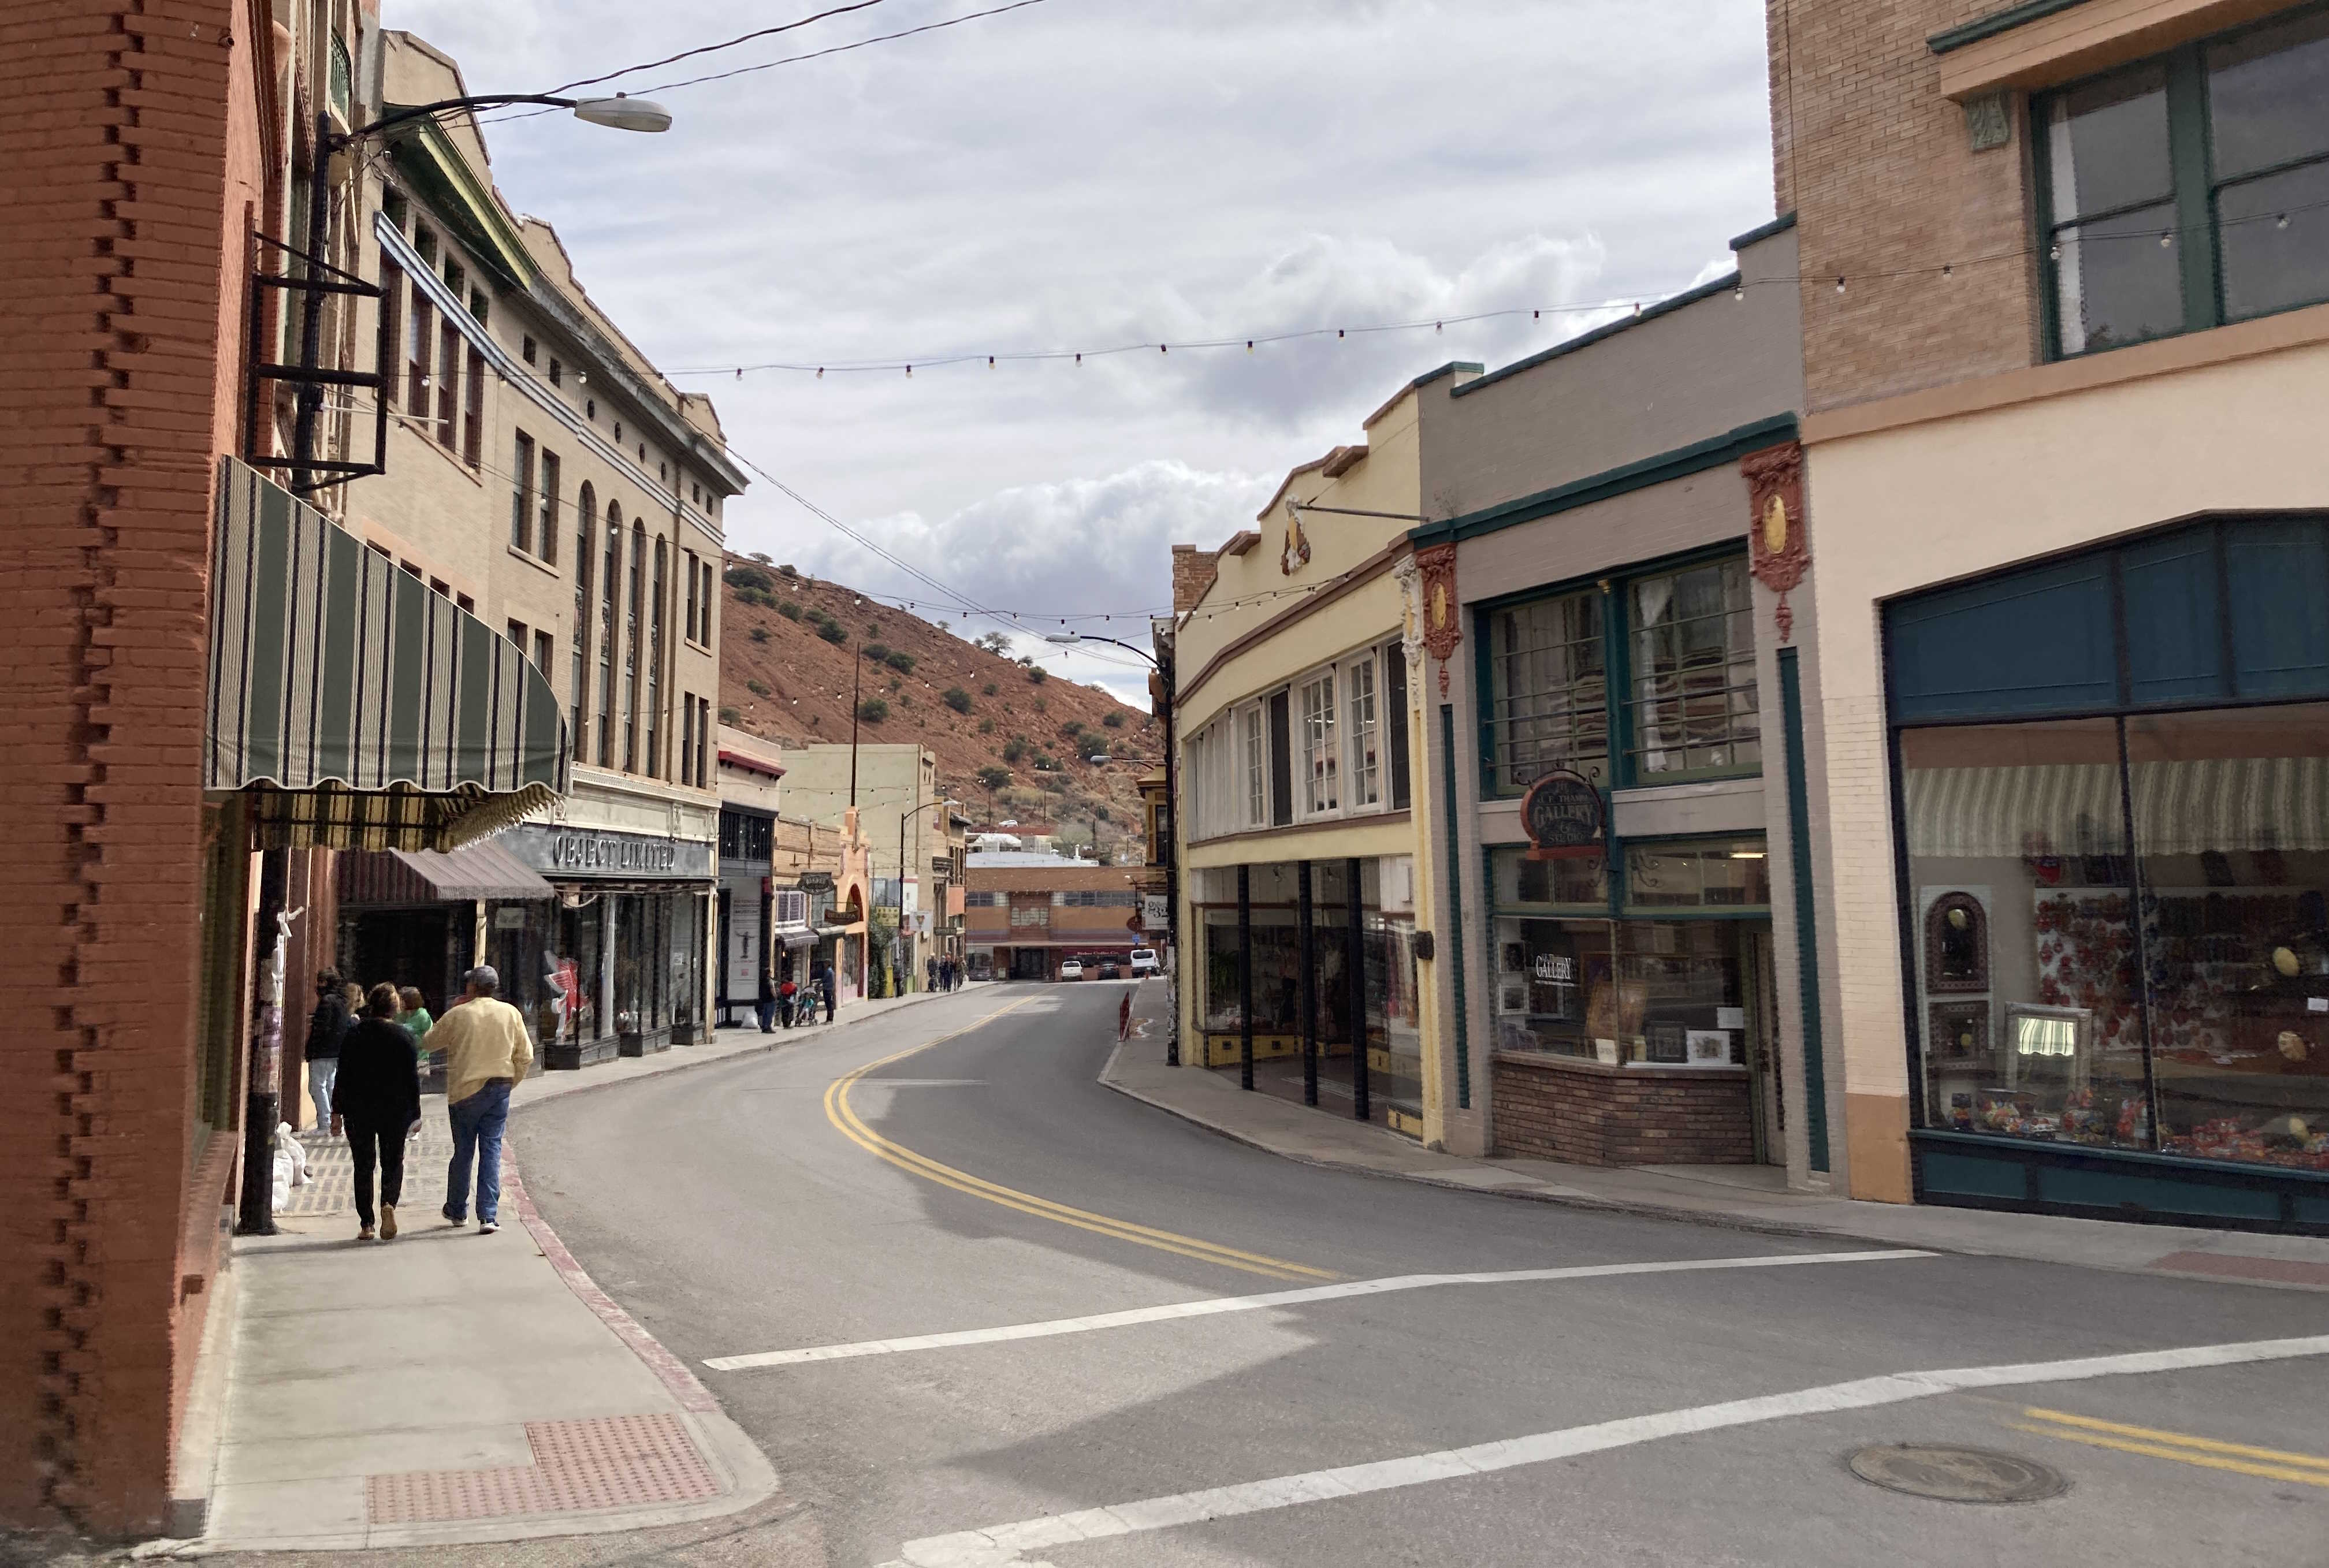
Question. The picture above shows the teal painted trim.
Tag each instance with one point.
(1449, 368)
(1799, 856)
(1453, 926)
(1617, 686)
(1779, 225)
(1679, 464)
(1951, 39)
(1484, 706)
(2195, 206)
(1722, 285)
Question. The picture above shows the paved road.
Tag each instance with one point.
(1691, 1414)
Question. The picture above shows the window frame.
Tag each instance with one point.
(1629, 773)
(522, 495)
(1611, 681)
(2194, 188)
(1253, 763)
(1320, 746)
(545, 532)
(1356, 734)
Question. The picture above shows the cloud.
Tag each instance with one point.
(1034, 553)
(1097, 171)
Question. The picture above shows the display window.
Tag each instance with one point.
(1653, 993)
(2121, 930)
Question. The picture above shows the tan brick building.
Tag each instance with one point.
(1028, 912)
(2063, 274)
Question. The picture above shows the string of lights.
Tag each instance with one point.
(1617, 308)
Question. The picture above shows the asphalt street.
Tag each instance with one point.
(855, 1191)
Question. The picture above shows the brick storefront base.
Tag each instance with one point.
(1586, 1114)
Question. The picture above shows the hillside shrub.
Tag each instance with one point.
(761, 596)
(1037, 675)
(729, 716)
(759, 633)
(1113, 719)
(873, 710)
(750, 577)
(898, 659)
(790, 611)
(986, 726)
(788, 570)
(990, 689)
(1014, 749)
(993, 777)
(833, 631)
(958, 699)
(877, 652)
(755, 686)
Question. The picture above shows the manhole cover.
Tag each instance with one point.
(1956, 1475)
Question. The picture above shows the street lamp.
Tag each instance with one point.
(1164, 668)
(618, 113)
(903, 818)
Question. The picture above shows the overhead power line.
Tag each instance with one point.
(743, 38)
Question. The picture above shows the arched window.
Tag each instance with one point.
(631, 607)
(655, 665)
(586, 517)
(610, 584)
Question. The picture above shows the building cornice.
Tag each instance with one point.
(1329, 594)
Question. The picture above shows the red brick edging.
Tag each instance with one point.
(691, 1394)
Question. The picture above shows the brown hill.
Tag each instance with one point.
(788, 645)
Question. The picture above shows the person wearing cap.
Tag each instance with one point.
(486, 1051)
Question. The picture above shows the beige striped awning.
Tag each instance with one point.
(2180, 808)
(358, 708)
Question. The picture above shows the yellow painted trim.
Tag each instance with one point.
(838, 1112)
(2241, 1449)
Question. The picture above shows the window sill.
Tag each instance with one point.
(532, 560)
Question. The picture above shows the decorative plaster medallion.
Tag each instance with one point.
(1779, 547)
(1442, 625)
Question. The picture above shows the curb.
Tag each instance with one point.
(1566, 1199)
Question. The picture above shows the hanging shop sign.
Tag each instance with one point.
(816, 881)
(1562, 814)
(1154, 914)
(564, 853)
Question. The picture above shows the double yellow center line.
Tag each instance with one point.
(838, 1110)
(2271, 1464)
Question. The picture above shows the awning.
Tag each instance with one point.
(2180, 808)
(793, 941)
(357, 708)
(481, 870)
(828, 933)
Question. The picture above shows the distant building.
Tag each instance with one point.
(1028, 911)
(915, 839)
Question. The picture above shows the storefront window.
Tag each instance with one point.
(1521, 878)
(686, 956)
(2019, 882)
(2231, 821)
(1693, 699)
(1653, 993)
(1730, 875)
(579, 972)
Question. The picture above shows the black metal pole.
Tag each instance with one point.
(311, 328)
(1354, 979)
(856, 689)
(262, 1105)
(1172, 873)
(1309, 985)
(1245, 977)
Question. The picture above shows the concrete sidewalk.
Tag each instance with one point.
(1740, 1196)
(450, 1386)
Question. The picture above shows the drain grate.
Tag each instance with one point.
(1956, 1475)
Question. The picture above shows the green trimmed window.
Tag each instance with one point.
(2188, 191)
(1692, 703)
(1548, 692)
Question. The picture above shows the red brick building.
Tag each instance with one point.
(1025, 913)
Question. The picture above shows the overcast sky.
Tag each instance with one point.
(1082, 172)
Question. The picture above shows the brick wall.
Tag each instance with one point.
(1193, 571)
(1878, 169)
(1583, 1112)
(111, 262)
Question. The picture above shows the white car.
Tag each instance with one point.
(1071, 970)
(1144, 962)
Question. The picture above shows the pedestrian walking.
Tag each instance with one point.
(486, 1051)
(932, 966)
(824, 983)
(413, 1012)
(327, 1027)
(767, 1004)
(376, 1105)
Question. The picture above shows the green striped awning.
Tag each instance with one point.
(360, 710)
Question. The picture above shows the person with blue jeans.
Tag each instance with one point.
(486, 1051)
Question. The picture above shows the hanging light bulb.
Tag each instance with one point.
(2281, 221)
(990, 361)
(1163, 347)
(1340, 332)
(910, 370)
(2054, 253)
(820, 372)
(1080, 359)
(1839, 286)
(1536, 315)
(2167, 240)
(739, 372)
(1438, 326)
(1739, 289)
(1249, 345)
(1948, 270)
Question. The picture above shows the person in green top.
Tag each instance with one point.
(413, 1014)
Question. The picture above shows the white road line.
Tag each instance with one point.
(1220, 1304)
(1005, 1546)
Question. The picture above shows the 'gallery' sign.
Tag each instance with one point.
(1562, 815)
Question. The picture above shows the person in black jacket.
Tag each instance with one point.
(327, 1026)
(377, 1105)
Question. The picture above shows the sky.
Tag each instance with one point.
(1082, 173)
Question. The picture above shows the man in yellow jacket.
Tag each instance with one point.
(486, 1052)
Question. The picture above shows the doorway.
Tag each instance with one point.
(1767, 1087)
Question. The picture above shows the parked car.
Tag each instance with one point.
(1110, 970)
(1071, 970)
(1144, 962)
